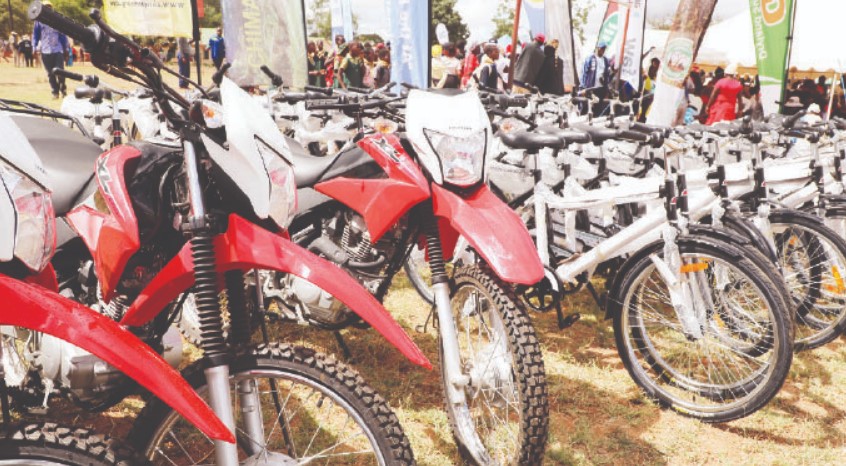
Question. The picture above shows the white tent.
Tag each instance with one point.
(814, 38)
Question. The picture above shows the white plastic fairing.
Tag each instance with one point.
(246, 120)
(460, 116)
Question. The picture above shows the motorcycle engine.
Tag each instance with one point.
(344, 240)
(91, 380)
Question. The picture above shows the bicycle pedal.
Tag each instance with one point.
(569, 321)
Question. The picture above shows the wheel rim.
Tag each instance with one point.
(720, 370)
(815, 275)
(493, 408)
(322, 426)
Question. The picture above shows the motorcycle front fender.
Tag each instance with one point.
(494, 230)
(246, 246)
(32, 307)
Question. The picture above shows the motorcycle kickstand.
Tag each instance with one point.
(343, 344)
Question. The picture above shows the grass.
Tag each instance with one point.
(32, 85)
(598, 416)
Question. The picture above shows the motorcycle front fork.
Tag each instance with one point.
(213, 343)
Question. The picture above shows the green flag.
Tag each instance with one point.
(771, 27)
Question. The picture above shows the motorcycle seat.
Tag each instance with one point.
(68, 157)
(310, 169)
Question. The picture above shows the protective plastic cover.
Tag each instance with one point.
(15, 150)
(246, 119)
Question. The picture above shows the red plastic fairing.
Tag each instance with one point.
(246, 246)
(382, 202)
(45, 279)
(34, 308)
(494, 231)
(112, 238)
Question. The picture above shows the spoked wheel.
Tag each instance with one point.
(740, 355)
(813, 259)
(314, 410)
(505, 418)
(49, 444)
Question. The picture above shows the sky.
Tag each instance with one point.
(478, 13)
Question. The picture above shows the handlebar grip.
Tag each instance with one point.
(509, 102)
(790, 121)
(67, 74)
(88, 36)
(275, 79)
(322, 90)
(632, 135)
(217, 77)
(358, 90)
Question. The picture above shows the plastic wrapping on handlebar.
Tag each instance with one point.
(88, 36)
(67, 74)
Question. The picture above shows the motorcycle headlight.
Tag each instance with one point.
(462, 157)
(283, 186)
(35, 221)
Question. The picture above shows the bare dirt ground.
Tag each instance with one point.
(598, 414)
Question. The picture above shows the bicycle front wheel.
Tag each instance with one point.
(741, 354)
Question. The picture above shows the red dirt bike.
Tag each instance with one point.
(168, 221)
(369, 206)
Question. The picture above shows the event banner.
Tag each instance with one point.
(172, 18)
(630, 65)
(771, 29)
(342, 23)
(535, 15)
(410, 41)
(265, 32)
(689, 25)
(611, 31)
(559, 27)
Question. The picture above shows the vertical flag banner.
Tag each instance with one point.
(265, 32)
(559, 27)
(770, 30)
(342, 23)
(535, 15)
(689, 25)
(630, 65)
(172, 18)
(410, 42)
(612, 33)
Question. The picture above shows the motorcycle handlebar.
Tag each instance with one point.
(88, 36)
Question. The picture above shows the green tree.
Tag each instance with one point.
(21, 23)
(504, 19)
(213, 14)
(443, 11)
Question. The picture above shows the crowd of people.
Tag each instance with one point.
(357, 64)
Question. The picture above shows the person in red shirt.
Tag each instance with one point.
(724, 104)
(471, 62)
